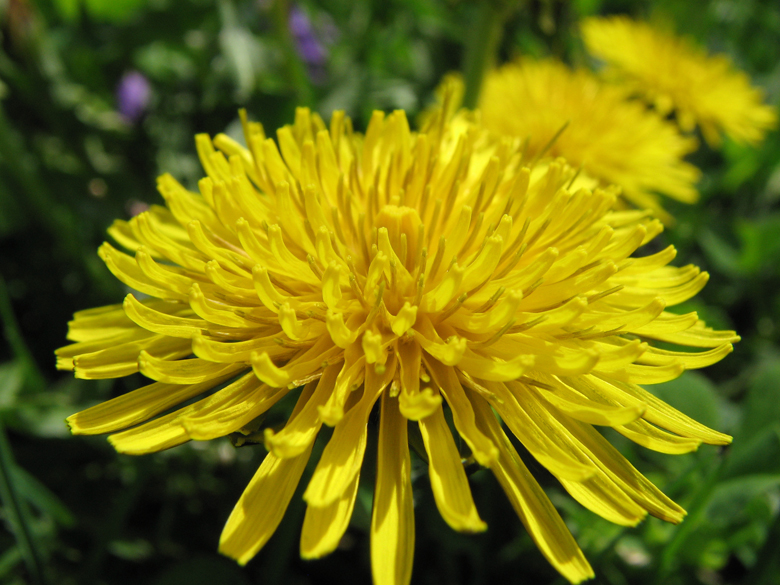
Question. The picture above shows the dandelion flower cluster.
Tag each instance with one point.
(572, 114)
(417, 272)
(675, 75)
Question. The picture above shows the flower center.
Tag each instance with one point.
(403, 230)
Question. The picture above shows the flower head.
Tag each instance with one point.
(675, 75)
(415, 271)
(570, 113)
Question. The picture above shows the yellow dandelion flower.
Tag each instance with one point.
(673, 74)
(568, 113)
(420, 272)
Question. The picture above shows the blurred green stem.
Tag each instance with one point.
(482, 46)
(32, 376)
(16, 512)
(767, 563)
(700, 502)
(15, 509)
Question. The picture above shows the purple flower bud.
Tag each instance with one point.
(309, 46)
(312, 51)
(132, 95)
(300, 25)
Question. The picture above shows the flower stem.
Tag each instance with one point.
(16, 511)
(32, 375)
(767, 562)
(481, 49)
(695, 513)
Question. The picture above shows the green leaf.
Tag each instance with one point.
(16, 512)
(244, 54)
(11, 380)
(165, 62)
(731, 497)
(760, 244)
(43, 420)
(68, 9)
(762, 406)
(759, 455)
(8, 560)
(743, 163)
(116, 11)
(42, 498)
(719, 253)
(131, 550)
(587, 7)
(692, 394)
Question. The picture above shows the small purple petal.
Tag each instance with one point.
(312, 51)
(299, 23)
(309, 47)
(132, 95)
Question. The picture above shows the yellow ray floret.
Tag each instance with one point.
(673, 74)
(424, 274)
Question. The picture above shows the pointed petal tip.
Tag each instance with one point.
(474, 527)
(672, 515)
(117, 446)
(585, 575)
(73, 425)
(312, 555)
(230, 550)
(721, 439)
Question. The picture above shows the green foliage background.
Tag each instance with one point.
(69, 164)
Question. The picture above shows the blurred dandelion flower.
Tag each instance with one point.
(561, 112)
(673, 74)
(422, 272)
